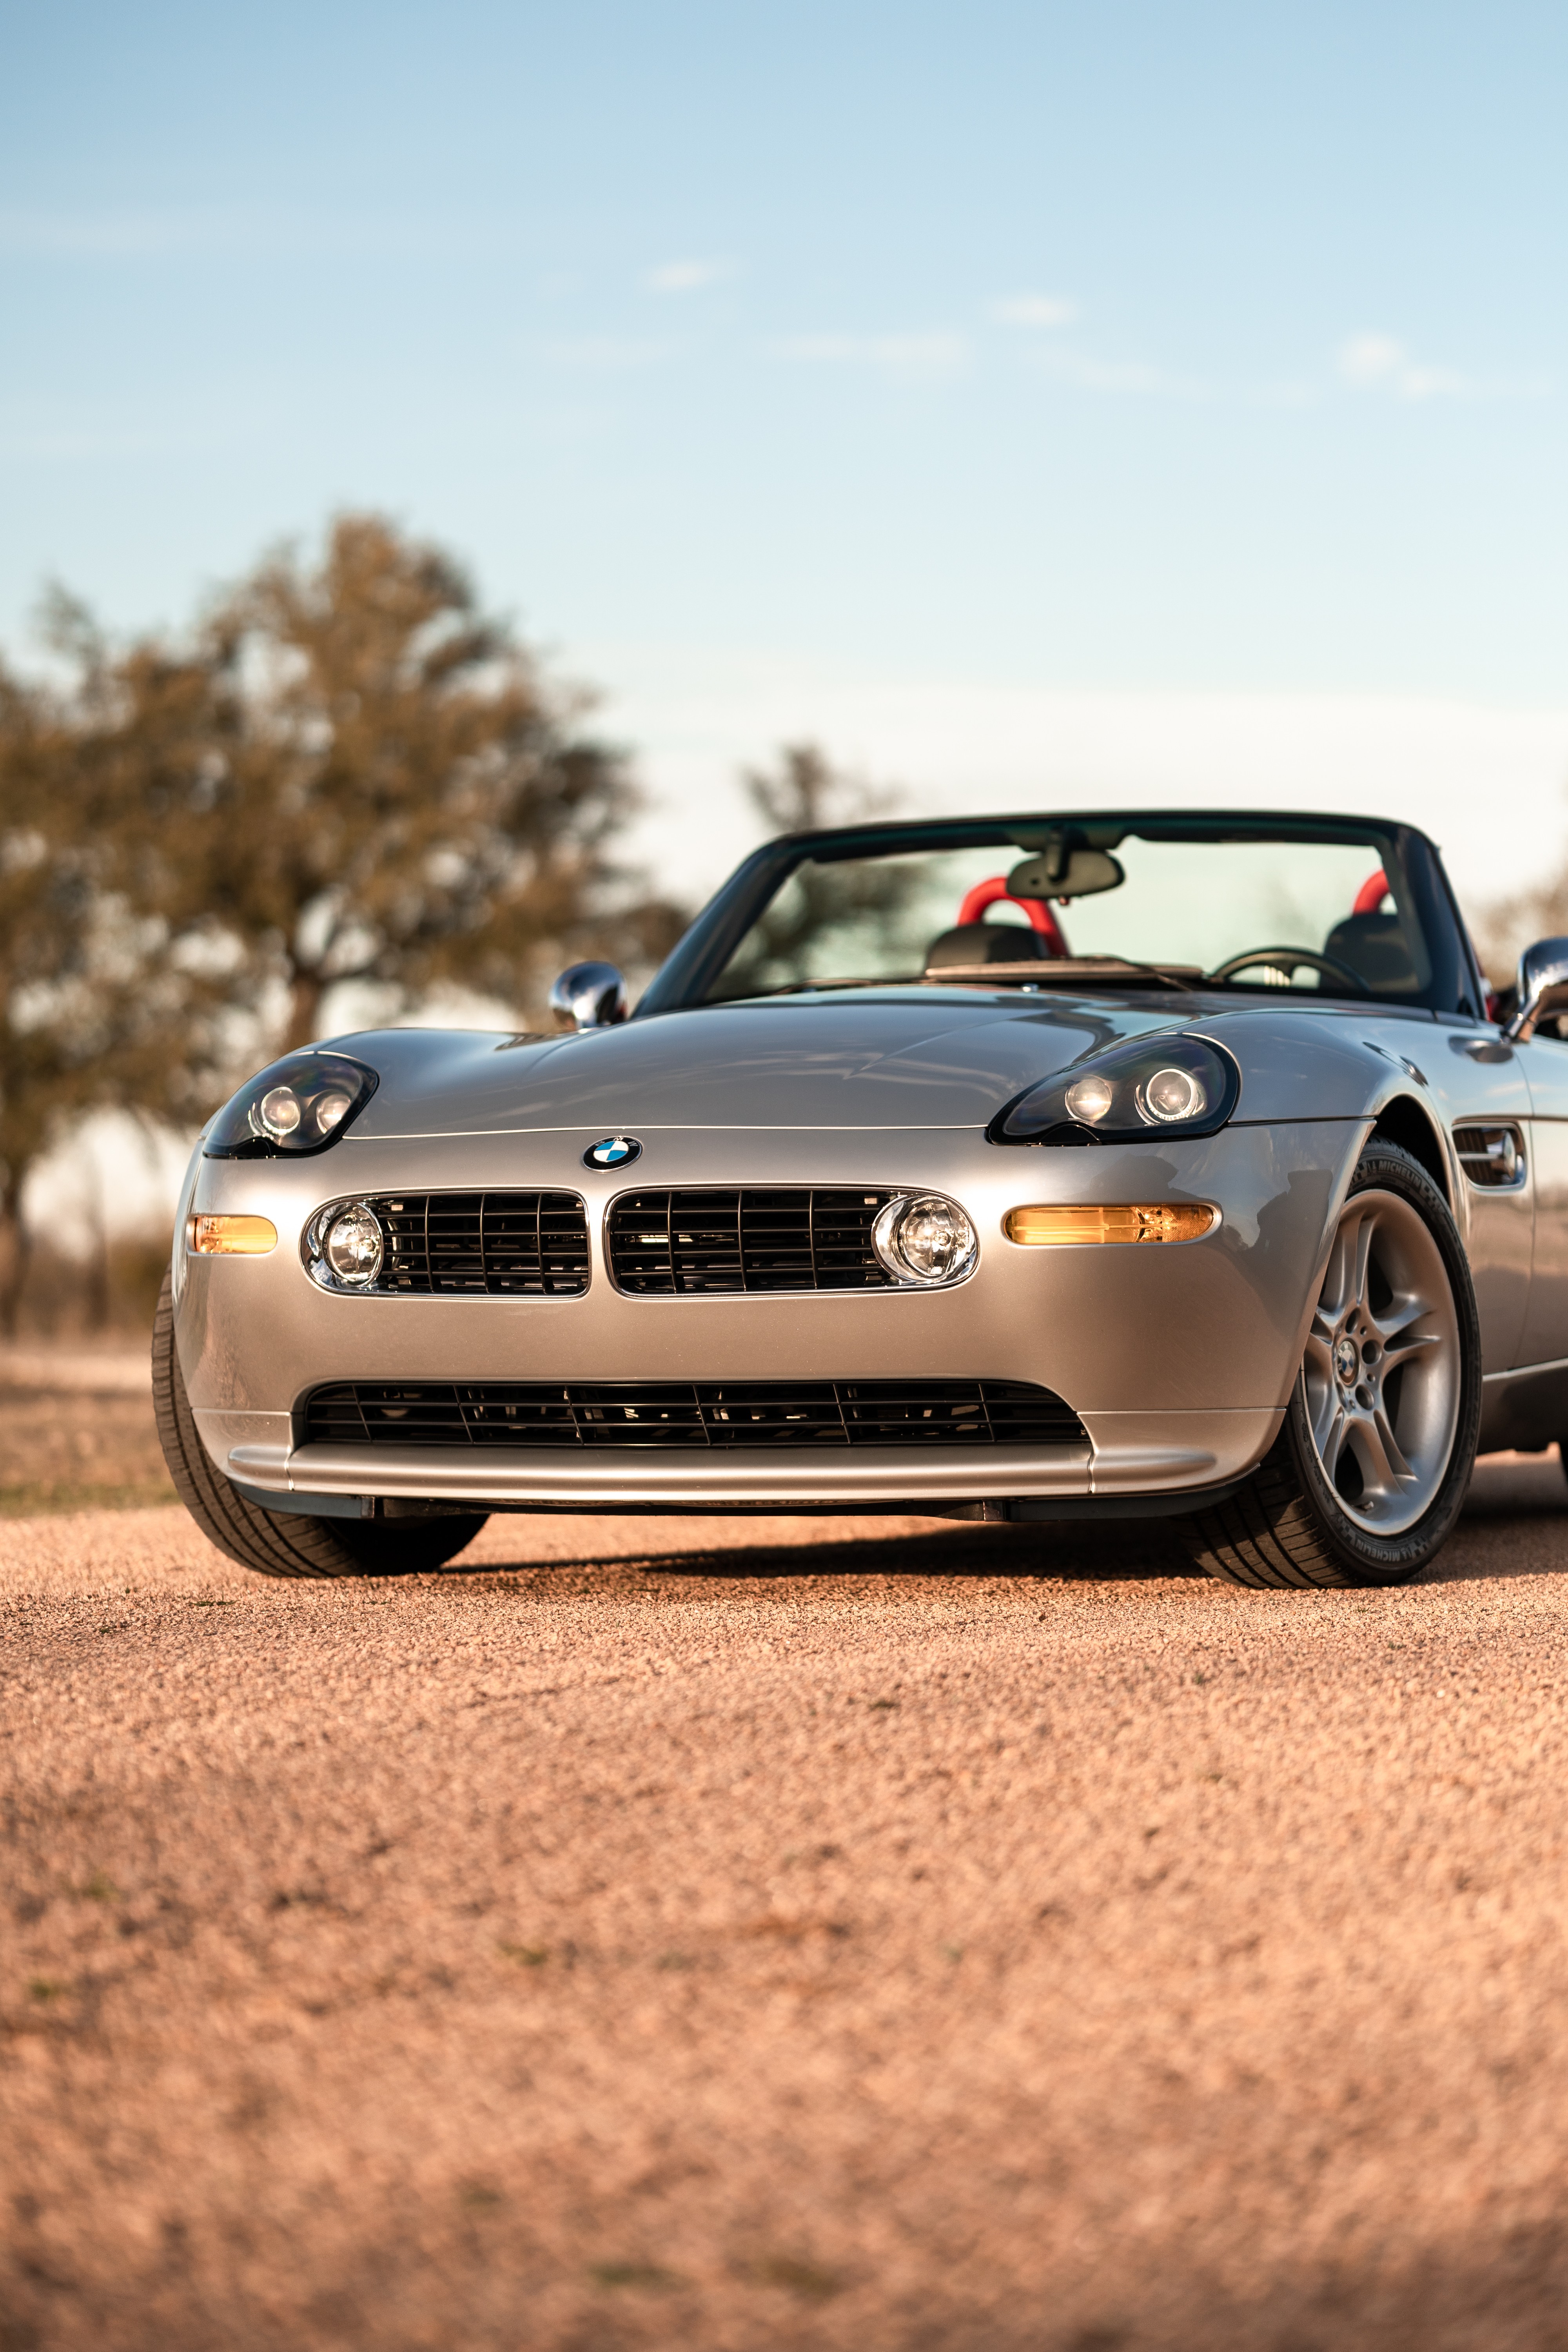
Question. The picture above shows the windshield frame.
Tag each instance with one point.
(701, 956)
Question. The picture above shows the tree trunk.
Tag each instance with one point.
(14, 1247)
(98, 1270)
(304, 1009)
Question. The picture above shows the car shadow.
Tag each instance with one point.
(1124, 1552)
(1506, 1530)
(1518, 1486)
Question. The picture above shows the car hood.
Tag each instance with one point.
(915, 1060)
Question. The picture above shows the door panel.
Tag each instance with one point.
(1545, 1063)
(1479, 1081)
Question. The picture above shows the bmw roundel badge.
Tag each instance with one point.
(613, 1152)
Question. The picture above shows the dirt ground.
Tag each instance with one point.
(77, 1430)
(871, 1935)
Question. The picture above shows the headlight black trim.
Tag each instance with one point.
(313, 1080)
(1040, 1114)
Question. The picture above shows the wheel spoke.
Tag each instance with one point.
(1334, 1296)
(1414, 1343)
(1381, 1462)
(1393, 1452)
(1405, 1308)
(1364, 1235)
(1331, 1442)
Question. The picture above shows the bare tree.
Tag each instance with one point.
(1507, 926)
(865, 901)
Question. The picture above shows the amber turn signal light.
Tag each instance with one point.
(1050, 1227)
(232, 1236)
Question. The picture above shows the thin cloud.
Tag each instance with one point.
(1379, 363)
(1129, 376)
(685, 277)
(1037, 311)
(1142, 380)
(909, 355)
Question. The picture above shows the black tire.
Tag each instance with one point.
(282, 1543)
(1286, 1526)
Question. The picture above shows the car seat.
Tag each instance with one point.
(1374, 946)
(987, 943)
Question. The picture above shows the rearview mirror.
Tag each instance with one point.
(1541, 987)
(1060, 872)
(589, 996)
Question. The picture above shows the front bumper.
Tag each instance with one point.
(1177, 1358)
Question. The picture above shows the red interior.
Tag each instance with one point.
(995, 891)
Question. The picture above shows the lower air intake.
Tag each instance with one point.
(681, 1415)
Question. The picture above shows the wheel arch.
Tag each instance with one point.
(1408, 1123)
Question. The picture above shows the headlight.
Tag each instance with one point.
(924, 1239)
(344, 1246)
(298, 1105)
(1161, 1086)
(354, 1246)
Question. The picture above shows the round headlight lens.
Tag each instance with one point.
(330, 1108)
(926, 1240)
(278, 1112)
(1090, 1099)
(354, 1246)
(1171, 1094)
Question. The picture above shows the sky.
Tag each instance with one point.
(1026, 401)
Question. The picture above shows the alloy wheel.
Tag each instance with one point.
(1382, 1374)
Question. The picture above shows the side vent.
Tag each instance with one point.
(1491, 1157)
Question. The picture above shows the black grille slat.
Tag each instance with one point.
(681, 1415)
(841, 1237)
(482, 1245)
(760, 1238)
(705, 1240)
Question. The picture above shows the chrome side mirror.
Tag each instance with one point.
(593, 996)
(1542, 987)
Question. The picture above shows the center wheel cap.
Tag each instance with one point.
(1347, 1361)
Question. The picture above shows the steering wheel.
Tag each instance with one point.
(1285, 959)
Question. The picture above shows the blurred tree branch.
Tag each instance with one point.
(865, 898)
(348, 773)
(86, 1000)
(382, 787)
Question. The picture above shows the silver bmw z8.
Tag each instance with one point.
(1142, 1164)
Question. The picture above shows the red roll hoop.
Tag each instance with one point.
(996, 891)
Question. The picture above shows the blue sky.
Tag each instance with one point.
(775, 362)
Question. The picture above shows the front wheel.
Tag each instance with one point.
(282, 1543)
(1368, 1474)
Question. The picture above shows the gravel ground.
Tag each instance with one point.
(76, 1431)
(853, 1933)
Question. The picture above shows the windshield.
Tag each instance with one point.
(1320, 914)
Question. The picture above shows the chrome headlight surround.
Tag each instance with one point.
(344, 1246)
(1173, 1084)
(294, 1108)
(925, 1241)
